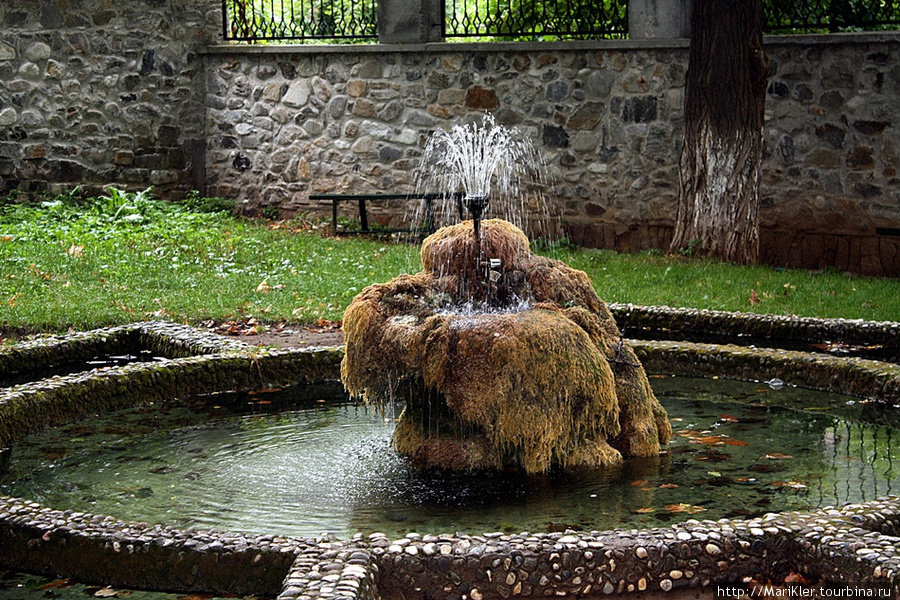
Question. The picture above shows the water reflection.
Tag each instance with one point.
(303, 465)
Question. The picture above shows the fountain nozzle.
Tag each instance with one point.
(476, 206)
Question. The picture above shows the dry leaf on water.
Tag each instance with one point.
(777, 456)
(684, 508)
(59, 583)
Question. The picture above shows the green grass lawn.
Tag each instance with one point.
(73, 263)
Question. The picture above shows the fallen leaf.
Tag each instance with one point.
(713, 456)
(734, 442)
(668, 486)
(326, 324)
(684, 508)
(793, 577)
(639, 482)
(754, 299)
(59, 583)
(105, 593)
(644, 511)
(42, 274)
(264, 287)
(710, 440)
(794, 485)
(729, 419)
(75, 251)
(777, 456)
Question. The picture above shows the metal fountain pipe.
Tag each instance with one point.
(476, 206)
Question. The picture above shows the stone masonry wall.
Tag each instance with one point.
(607, 118)
(94, 92)
(830, 188)
(138, 93)
(607, 122)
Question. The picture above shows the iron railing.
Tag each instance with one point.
(260, 20)
(356, 20)
(824, 16)
(536, 19)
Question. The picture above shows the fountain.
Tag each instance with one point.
(503, 358)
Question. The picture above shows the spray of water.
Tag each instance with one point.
(485, 160)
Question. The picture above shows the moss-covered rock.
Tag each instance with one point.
(536, 375)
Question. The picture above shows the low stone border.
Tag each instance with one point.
(95, 548)
(870, 379)
(839, 545)
(209, 364)
(161, 338)
(686, 321)
(854, 543)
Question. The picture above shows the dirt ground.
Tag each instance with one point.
(282, 335)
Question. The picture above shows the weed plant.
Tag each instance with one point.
(123, 257)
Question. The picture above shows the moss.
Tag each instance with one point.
(531, 389)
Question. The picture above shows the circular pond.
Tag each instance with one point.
(307, 460)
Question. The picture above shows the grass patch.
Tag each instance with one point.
(124, 257)
(656, 279)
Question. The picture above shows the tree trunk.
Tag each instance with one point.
(725, 91)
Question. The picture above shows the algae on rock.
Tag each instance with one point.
(516, 364)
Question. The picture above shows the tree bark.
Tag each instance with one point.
(725, 91)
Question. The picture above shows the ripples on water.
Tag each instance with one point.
(299, 465)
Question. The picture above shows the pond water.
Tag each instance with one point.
(306, 461)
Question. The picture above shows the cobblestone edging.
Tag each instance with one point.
(201, 363)
(96, 548)
(842, 545)
(170, 340)
(868, 379)
(688, 321)
(853, 543)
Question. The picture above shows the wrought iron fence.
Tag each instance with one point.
(356, 20)
(258, 20)
(536, 19)
(814, 16)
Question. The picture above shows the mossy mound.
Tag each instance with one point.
(536, 376)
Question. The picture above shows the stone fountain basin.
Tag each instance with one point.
(852, 543)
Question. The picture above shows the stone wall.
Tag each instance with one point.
(606, 116)
(141, 93)
(94, 92)
(830, 190)
(606, 119)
